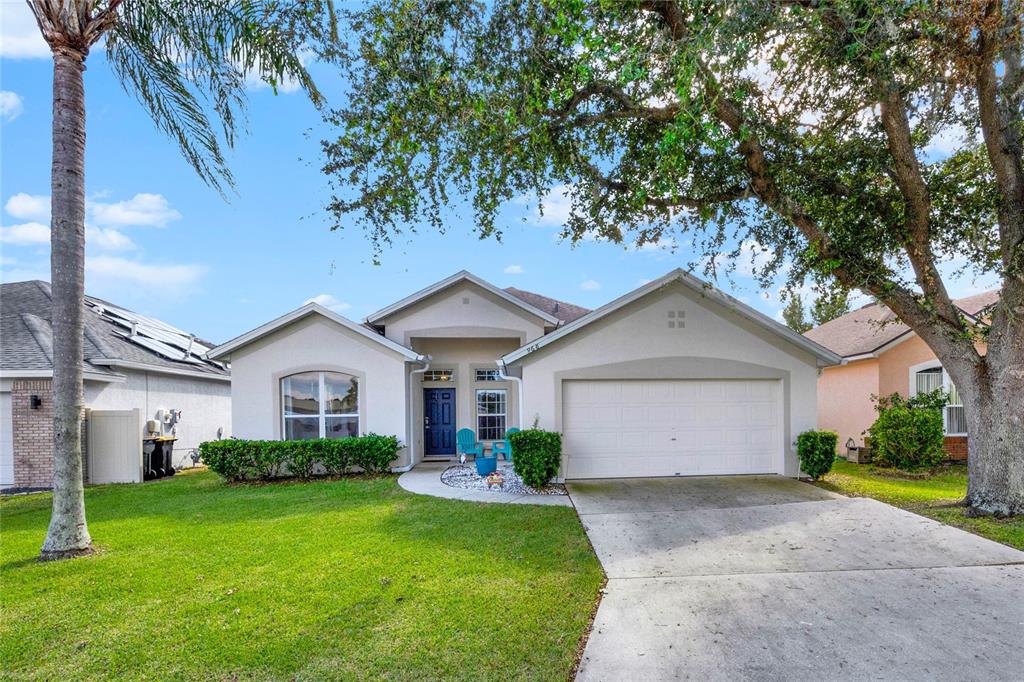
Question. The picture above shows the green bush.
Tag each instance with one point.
(537, 455)
(817, 451)
(908, 434)
(240, 460)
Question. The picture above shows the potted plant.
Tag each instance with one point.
(486, 465)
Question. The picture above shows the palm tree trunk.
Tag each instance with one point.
(68, 534)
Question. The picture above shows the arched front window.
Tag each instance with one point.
(320, 405)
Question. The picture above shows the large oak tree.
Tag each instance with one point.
(871, 144)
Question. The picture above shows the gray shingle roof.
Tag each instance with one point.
(566, 312)
(26, 339)
(872, 326)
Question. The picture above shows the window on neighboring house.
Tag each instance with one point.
(439, 375)
(491, 410)
(933, 378)
(320, 405)
(488, 375)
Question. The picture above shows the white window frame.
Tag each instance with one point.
(322, 403)
(489, 375)
(503, 415)
(450, 372)
(946, 386)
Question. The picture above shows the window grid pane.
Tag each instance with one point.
(439, 375)
(928, 381)
(341, 394)
(491, 411)
(956, 420)
(301, 394)
(319, 405)
(487, 375)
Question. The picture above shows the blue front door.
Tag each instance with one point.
(439, 421)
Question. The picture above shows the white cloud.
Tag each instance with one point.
(142, 209)
(19, 34)
(25, 233)
(753, 258)
(108, 239)
(158, 277)
(557, 207)
(948, 140)
(11, 105)
(514, 270)
(330, 302)
(35, 207)
(590, 285)
(253, 82)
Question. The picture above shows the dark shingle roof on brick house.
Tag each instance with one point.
(26, 338)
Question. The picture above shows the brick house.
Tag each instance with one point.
(131, 362)
(882, 356)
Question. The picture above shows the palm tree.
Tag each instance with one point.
(185, 61)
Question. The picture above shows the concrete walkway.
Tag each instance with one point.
(425, 479)
(765, 578)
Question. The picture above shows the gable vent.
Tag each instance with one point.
(676, 319)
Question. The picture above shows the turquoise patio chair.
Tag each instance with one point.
(503, 447)
(468, 444)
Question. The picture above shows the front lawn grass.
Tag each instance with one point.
(936, 496)
(352, 579)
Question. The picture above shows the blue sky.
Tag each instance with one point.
(163, 243)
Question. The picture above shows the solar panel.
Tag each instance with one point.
(159, 348)
(155, 335)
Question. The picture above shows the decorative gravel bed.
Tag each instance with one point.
(459, 476)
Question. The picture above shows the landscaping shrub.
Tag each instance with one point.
(908, 434)
(817, 451)
(537, 454)
(239, 460)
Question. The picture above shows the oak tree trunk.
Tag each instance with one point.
(68, 534)
(994, 407)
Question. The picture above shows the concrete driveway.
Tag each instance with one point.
(766, 578)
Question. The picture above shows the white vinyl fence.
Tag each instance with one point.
(115, 446)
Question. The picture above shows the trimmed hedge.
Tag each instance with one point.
(908, 434)
(241, 460)
(536, 455)
(817, 452)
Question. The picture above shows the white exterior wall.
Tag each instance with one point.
(311, 344)
(464, 356)
(205, 405)
(463, 310)
(715, 343)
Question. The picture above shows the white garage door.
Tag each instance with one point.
(6, 441)
(671, 428)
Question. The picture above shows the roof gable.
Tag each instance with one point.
(462, 276)
(114, 337)
(872, 327)
(301, 313)
(709, 292)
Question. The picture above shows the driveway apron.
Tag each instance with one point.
(767, 578)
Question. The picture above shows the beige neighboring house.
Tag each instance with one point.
(882, 356)
(675, 378)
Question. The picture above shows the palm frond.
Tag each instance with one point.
(187, 61)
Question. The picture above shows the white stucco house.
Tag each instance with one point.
(673, 379)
